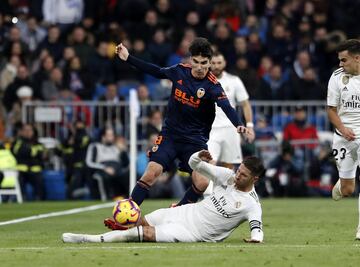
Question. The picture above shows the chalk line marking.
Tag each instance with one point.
(58, 213)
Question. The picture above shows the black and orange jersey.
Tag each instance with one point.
(191, 106)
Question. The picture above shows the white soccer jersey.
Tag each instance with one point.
(214, 218)
(235, 91)
(344, 93)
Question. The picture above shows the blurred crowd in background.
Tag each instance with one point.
(63, 50)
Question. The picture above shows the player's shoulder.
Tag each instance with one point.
(185, 65)
(337, 73)
(212, 78)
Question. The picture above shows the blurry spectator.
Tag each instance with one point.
(285, 178)
(50, 87)
(111, 115)
(109, 164)
(154, 123)
(68, 54)
(140, 51)
(247, 75)
(33, 34)
(52, 43)
(8, 73)
(273, 85)
(14, 116)
(279, 46)
(322, 172)
(146, 29)
(100, 65)
(43, 74)
(79, 41)
(164, 13)
(302, 62)
(159, 48)
(21, 79)
(72, 112)
(223, 40)
(228, 12)
(14, 37)
(264, 66)
(300, 130)
(29, 154)
(308, 88)
(181, 52)
(78, 79)
(63, 13)
(73, 152)
(192, 20)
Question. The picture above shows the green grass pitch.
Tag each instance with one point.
(298, 232)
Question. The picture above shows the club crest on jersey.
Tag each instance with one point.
(200, 92)
(345, 79)
(154, 148)
(237, 204)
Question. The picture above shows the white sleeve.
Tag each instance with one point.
(48, 9)
(240, 91)
(333, 94)
(218, 175)
(255, 223)
(91, 158)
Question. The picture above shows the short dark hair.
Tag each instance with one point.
(351, 45)
(201, 47)
(255, 165)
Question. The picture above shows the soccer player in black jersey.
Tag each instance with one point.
(190, 114)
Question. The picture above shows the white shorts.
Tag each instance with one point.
(170, 225)
(224, 145)
(347, 156)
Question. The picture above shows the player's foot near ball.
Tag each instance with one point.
(73, 238)
(112, 225)
(336, 193)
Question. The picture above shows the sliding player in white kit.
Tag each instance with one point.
(343, 101)
(224, 142)
(233, 201)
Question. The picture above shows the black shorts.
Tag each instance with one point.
(166, 150)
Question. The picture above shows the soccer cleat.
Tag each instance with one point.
(336, 193)
(357, 236)
(112, 225)
(73, 238)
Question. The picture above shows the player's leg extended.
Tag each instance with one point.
(136, 234)
(199, 185)
(141, 189)
(343, 188)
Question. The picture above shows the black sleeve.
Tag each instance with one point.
(149, 68)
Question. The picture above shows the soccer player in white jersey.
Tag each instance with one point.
(343, 101)
(224, 142)
(233, 201)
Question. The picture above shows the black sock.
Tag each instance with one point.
(192, 195)
(140, 192)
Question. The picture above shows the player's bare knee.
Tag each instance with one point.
(153, 171)
(149, 234)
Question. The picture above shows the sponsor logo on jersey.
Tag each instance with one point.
(218, 204)
(200, 92)
(345, 79)
(154, 148)
(183, 98)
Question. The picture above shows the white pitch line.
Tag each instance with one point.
(191, 247)
(58, 213)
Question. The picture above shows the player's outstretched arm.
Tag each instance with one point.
(199, 162)
(149, 68)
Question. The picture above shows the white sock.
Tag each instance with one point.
(131, 235)
(338, 186)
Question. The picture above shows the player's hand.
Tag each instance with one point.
(122, 52)
(248, 240)
(348, 134)
(109, 170)
(250, 137)
(205, 155)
